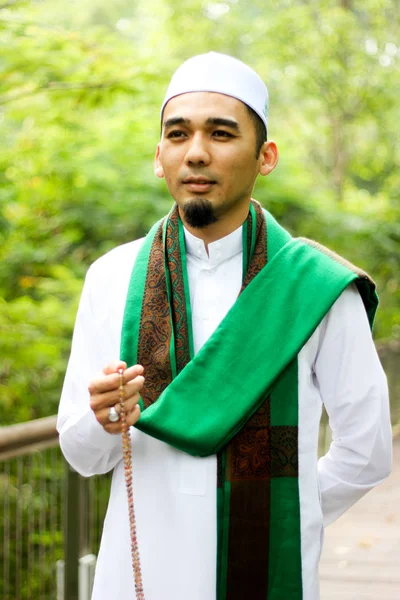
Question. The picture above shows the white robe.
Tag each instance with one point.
(175, 493)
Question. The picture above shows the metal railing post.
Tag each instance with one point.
(72, 528)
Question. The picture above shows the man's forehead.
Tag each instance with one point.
(203, 105)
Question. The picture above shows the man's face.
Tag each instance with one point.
(207, 151)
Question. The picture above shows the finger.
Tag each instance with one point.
(101, 399)
(114, 366)
(132, 372)
(111, 381)
(134, 386)
(103, 383)
(130, 404)
(134, 415)
(131, 419)
(102, 412)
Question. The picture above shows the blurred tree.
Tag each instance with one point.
(81, 85)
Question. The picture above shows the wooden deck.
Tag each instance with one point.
(361, 556)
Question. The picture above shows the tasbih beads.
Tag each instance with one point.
(127, 454)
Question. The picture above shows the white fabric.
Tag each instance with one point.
(175, 494)
(215, 72)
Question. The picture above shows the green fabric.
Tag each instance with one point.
(253, 340)
(284, 565)
(223, 538)
(186, 287)
(284, 568)
(239, 394)
(284, 410)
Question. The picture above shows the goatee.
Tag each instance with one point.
(199, 213)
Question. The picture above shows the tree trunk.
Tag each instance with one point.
(339, 157)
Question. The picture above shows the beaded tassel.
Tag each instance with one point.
(127, 454)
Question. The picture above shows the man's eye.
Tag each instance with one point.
(175, 134)
(222, 133)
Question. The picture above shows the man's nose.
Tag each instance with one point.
(198, 151)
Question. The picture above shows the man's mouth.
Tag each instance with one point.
(198, 184)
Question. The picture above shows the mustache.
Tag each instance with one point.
(202, 175)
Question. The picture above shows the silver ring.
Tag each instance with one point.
(113, 416)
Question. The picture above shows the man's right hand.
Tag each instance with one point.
(104, 393)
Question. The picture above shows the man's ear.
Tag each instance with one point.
(269, 156)
(158, 170)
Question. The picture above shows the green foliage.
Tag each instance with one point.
(81, 86)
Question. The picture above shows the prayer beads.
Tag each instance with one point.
(127, 454)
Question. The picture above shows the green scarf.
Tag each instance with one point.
(248, 417)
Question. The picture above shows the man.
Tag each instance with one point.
(231, 335)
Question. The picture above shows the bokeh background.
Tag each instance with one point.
(81, 83)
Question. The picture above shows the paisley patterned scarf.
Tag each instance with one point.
(259, 549)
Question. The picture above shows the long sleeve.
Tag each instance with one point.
(86, 445)
(354, 391)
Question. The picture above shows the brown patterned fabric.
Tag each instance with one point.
(259, 451)
(180, 319)
(249, 520)
(259, 258)
(155, 323)
(155, 326)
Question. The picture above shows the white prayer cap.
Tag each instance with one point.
(214, 72)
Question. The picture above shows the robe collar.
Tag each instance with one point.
(218, 251)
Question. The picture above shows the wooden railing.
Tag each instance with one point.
(52, 516)
(25, 438)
